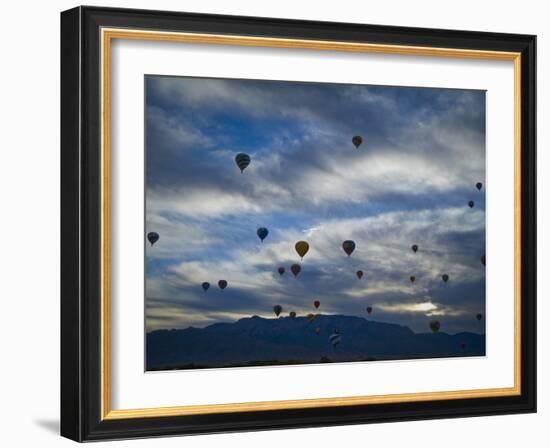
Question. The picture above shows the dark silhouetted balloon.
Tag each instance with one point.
(479, 316)
(348, 246)
(262, 232)
(435, 326)
(153, 237)
(445, 278)
(316, 304)
(482, 259)
(301, 247)
(317, 331)
(369, 309)
(292, 314)
(471, 204)
(479, 185)
(281, 270)
(359, 274)
(414, 248)
(242, 160)
(277, 309)
(357, 140)
(205, 286)
(310, 317)
(412, 278)
(222, 284)
(295, 268)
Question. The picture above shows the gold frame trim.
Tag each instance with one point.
(107, 35)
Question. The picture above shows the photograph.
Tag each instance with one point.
(297, 223)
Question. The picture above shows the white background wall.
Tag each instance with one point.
(29, 224)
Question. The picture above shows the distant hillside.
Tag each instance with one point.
(258, 341)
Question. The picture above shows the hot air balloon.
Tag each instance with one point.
(357, 140)
(348, 246)
(482, 259)
(335, 339)
(205, 286)
(359, 274)
(292, 314)
(222, 284)
(317, 331)
(445, 278)
(479, 185)
(310, 317)
(281, 270)
(471, 204)
(262, 232)
(369, 309)
(412, 278)
(242, 160)
(316, 304)
(153, 237)
(479, 316)
(295, 268)
(435, 326)
(277, 309)
(414, 248)
(301, 247)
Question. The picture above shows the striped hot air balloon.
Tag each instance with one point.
(335, 339)
(242, 160)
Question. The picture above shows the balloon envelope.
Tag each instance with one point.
(348, 246)
(359, 274)
(445, 278)
(310, 317)
(292, 314)
(335, 339)
(357, 140)
(316, 304)
(153, 237)
(435, 326)
(222, 284)
(281, 270)
(277, 309)
(479, 185)
(242, 160)
(369, 309)
(479, 316)
(471, 204)
(482, 259)
(205, 286)
(262, 232)
(412, 278)
(295, 268)
(301, 247)
(414, 248)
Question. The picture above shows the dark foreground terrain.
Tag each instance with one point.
(256, 341)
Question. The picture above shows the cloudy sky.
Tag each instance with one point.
(408, 183)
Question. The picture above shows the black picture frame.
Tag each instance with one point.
(81, 224)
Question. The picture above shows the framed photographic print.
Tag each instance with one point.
(274, 224)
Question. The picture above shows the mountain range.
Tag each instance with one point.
(256, 341)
